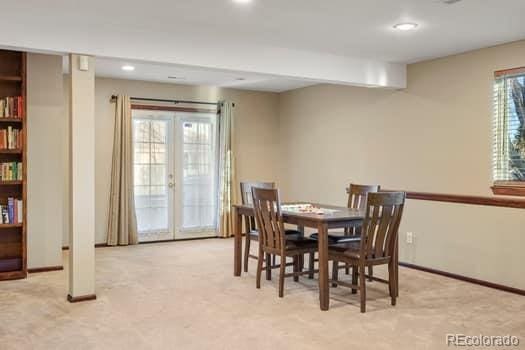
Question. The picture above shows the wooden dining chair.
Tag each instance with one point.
(250, 226)
(274, 241)
(357, 199)
(252, 234)
(377, 246)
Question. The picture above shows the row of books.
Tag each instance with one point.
(12, 212)
(12, 107)
(11, 171)
(10, 138)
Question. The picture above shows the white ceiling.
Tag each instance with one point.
(341, 41)
(112, 68)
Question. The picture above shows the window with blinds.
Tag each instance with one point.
(509, 127)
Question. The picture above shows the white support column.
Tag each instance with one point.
(82, 179)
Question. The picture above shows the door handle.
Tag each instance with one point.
(171, 184)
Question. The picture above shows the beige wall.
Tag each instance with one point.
(434, 136)
(47, 131)
(256, 136)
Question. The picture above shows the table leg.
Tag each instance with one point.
(237, 249)
(324, 291)
(301, 257)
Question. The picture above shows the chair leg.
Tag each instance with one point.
(296, 267)
(246, 252)
(354, 278)
(259, 268)
(281, 276)
(301, 262)
(311, 265)
(335, 272)
(362, 287)
(392, 283)
(273, 260)
(347, 269)
(370, 273)
(268, 267)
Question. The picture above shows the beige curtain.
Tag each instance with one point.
(227, 179)
(122, 221)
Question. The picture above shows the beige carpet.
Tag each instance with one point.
(184, 296)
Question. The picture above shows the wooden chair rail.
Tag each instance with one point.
(465, 199)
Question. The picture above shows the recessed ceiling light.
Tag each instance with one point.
(242, 1)
(128, 68)
(405, 26)
(240, 79)
(177, 78)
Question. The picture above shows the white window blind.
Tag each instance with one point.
(509, 126)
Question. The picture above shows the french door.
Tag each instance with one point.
(175, 174)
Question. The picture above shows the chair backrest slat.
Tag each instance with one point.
(357, 199)
(357, 195)
(247, 199)
(267, 207)
(381, 225)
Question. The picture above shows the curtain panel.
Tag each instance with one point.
(227, 175)
(122, 220)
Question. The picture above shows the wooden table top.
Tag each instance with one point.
(340, 213)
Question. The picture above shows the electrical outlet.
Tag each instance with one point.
(410, 237)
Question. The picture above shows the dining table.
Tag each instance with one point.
(328, 217)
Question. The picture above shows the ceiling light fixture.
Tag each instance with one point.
(405, 26)
(175, 77)
(240, 79)
(128, 68)
(242, 1)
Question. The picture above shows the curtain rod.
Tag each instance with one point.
(114, 98)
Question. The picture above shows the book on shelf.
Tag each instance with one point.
(12, 107)
(12, 212)
(11, 171)
(10, 138)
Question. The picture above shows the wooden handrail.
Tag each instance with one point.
(466, 199)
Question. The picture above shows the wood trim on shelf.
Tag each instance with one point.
(10, 78)
(509, 188)
(464, 278)
(11, 225)
(81, 298)
(464, 199)
(11, 120)
(10, 183)
(172, 108)
(13, 275)
(11, 151)
(45, 269)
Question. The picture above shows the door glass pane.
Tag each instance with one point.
(199, 172)
(150, 176)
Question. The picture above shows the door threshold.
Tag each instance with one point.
(179, 240)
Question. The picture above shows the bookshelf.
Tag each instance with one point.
(13, 165)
